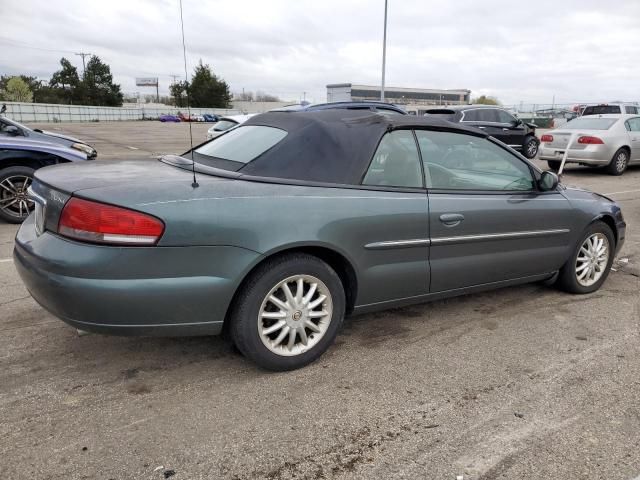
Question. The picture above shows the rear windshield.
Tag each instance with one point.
(601, 109)
(223, 125)
(590, 123)
(441, 113)
(240, 145)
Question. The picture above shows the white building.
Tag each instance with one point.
(411, 99)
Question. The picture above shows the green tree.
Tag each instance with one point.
(485, 100)
(98, 85)
(64, 85)
(16, 90)
(207, 90)
(178, 92)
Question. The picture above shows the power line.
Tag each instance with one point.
(84, 68)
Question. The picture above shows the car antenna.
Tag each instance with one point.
(186, 86)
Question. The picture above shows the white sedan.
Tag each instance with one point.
(225, 123)
(611, 141)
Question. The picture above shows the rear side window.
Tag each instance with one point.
(396, 162)
(242, 144)
(601, 109)
(633, 124)
(632, 110)
(471, 116)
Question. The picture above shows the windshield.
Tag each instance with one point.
(238, 146)
(590, 123)
(223, 125)
(601, 109)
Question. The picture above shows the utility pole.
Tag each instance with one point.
(304, 96)
(384, 50)
(84, 68)
(174, 78)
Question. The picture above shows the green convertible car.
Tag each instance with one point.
(275, 230)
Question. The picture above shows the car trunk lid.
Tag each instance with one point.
(131, 184)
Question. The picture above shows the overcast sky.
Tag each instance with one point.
(577, 50)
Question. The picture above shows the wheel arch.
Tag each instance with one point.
(610, 222)
(332, 256)
(31, 161)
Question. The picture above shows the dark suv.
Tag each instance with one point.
(495, 121)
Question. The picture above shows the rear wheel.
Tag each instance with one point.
(530, 146)
(619, 162)
(590, 263)
(288, 312)
(15, 205)
(554, 165)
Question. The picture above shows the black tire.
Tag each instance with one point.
(14, 176)
(530, 146)
(619, 162)
(245, 320)
(554, 165)
(567, 279)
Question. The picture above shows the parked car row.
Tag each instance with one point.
(181, 117)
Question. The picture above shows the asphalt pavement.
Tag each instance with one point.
(518, 383)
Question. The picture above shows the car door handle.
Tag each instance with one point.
(505, 129)
(482, 128)
(451, 219)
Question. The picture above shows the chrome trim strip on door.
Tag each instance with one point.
(495, 236)
(417, 242)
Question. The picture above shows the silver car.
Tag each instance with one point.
(611, 141)
(225, 123)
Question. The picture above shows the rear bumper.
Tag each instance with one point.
(158, 291)
(591, 155)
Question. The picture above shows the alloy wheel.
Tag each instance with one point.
(14, 200)
(532, 148)
(592, 260)
(295, 315)
(621, 161)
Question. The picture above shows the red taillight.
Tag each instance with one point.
(588, 140)
(99, 223)
(546, 138)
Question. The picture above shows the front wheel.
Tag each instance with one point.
(530, 147)
(15, 205)
(288, 312)
(590, 263)
(619, 162)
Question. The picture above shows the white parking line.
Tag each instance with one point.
(624, 191)
(6, 260)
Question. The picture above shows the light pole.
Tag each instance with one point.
(384, 50)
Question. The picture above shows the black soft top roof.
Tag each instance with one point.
(332, 146)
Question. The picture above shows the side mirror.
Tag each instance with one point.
(548, 181)
(12, 130)
(516, 122)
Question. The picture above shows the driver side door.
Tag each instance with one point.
(488, 222)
